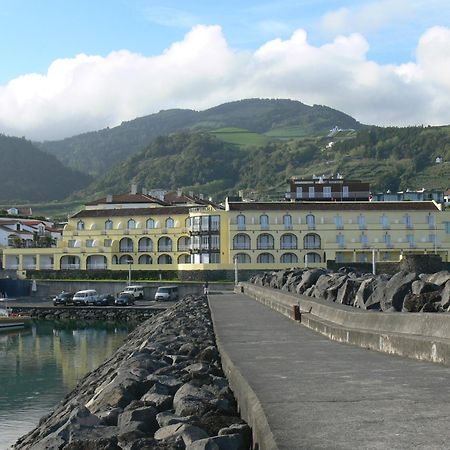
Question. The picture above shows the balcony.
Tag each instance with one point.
(70, 266)
(288, 246)
(94, 266)
(125, 249)
(47, 266)
(29, 266)
(145, 249)
(265, 246)
(312, 246)
(184, 248)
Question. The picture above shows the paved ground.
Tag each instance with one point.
(319, 394)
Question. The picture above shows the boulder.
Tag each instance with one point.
(188, 433)
(308, 279)
(395, 291)
(421, 287)
(438, 278)
(346, 294)
(192, 400)
(445, 295)
(140, 419)
(226, 442)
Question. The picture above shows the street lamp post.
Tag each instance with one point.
(130, 261)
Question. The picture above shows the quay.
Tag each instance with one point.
(299, 390)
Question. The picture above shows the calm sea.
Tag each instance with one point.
(39, 366)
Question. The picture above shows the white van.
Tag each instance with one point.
(135, 291)
(166, 293)
(86, 297)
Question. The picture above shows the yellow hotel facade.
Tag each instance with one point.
(140, 232)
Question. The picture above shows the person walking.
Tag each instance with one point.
(205, 288)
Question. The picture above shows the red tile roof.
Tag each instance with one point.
(129, 212)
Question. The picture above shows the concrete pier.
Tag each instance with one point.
(299, 390)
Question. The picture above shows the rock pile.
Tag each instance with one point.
(163, 389)
(404, 291)
(113, 314)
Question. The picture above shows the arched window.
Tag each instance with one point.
(131, 225)
(311, 240)
(312, 258)
(126, 245)
(145, 245)
(126, 259)
(264, 221)
(287, 222)
(115, 259)
(169, 222)
(165, 259)
(184, 259)
(288, 241)
(311, 221)
(265, 258)
(187, 222)
(289, 258)
(242, 258)
(183, 244)
(145, 259)
(265, 242)
(150, 224)
(165, 244)
(241, 241)
(109, 224)
(80, 225)
(240, 222)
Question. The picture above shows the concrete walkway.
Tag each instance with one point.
(319, 394)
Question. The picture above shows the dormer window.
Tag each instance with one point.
(80, 225)
(108, 224)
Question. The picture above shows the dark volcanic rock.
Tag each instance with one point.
(396, 289)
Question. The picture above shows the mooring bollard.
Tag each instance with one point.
(296, 312)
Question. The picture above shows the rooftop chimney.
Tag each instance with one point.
(134, 189)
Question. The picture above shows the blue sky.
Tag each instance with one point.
(391, 42)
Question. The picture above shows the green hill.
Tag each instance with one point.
(98, 151)
(389, 158)
(29, 174)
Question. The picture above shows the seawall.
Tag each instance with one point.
(422, 336)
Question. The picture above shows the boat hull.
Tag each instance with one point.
(14, 323)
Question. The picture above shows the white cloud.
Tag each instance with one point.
(91, 92)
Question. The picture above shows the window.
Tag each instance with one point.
(384, 221)
(311, 221)
(288, 241)
(340, 240)
(165, 259)
(364, 240)
(89, 242)
(265, 258)
(339, 257)
(363, 258)
(289, 258)
(184, 244)
(165, 245)
(311, 192)
(265, 242)
(126, 245)
(215, 223)
(345, 191)
(71, 243)
(407, 221)
(327, 191)
(311, 240)
(430, 220)
(150, 224)
(169, 222)
(312, 258)
(204, 223)
(145, 245)
(184, 259)
(338, 222)
(80, 225)
(432, 238)
(410, 238)
(287, 221)
(241, 222)
(361, 220)
(447, 227)
(107, 242)
(126, 259)
(187, 222)
(196, 221)
(387, 239)
(241, 242)
(145, 259)
(242, 258)
(264, 221)
(131, 225)
(299, 192)
(109, 224)
(214, 258)
(215, 242)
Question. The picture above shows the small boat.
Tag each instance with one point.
(10, 321)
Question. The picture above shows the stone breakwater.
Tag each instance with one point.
(163, 389)
(79, 314)
(403, 291)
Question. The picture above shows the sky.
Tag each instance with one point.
(71, 66)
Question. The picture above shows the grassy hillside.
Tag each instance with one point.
(96, 152)
(389, 158)
(30, 174)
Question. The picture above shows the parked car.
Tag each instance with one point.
(124, 299)
(166, 293)
(104, 300)
(85, 298)
(63, 298)
(135, 291)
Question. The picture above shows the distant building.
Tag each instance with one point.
(321, 188)
(420, 195)
(13, 211)
(439, 160)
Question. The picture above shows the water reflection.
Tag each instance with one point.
(40, 365)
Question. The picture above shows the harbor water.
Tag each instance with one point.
(40, 365)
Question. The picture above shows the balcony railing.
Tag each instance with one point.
(29, 266)
(96, 266)
(288, 246)
(164, 248)
(265, 246)
(12, 266)
(183, 248)
(47, 266)
(144, 248)
(125, 249)
(239, 246)
(312, 246)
